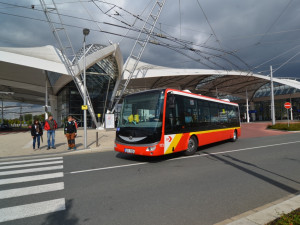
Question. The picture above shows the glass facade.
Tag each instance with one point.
(261, 110)
(100, 82)
(69, 100)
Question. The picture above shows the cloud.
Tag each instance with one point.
(254, 30)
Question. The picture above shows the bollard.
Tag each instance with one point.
(97, 144)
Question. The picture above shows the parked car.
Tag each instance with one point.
(5, 127)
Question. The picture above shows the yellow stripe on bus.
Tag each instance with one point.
(173, 143)
(210, 131)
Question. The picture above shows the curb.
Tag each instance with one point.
(51, 154)
(267, 213)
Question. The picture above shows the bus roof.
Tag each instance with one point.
(184, 93)
(200, 96)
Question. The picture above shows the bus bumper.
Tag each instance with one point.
(149, 150)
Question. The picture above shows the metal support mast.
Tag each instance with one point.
(272, 97)
(137, 51)
(65, 46)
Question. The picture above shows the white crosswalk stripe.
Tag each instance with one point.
(31, 178)
(30, 160)
(33, 209)
(23, 169)
(30, 165)
(30, 170)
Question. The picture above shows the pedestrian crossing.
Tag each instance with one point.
(16, 178)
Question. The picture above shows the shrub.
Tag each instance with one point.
(284, 126)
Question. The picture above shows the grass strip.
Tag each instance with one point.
(292, 218)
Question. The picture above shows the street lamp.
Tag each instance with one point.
(85, 33)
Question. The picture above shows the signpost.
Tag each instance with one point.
(287, 105)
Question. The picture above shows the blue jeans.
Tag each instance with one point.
(37, 137)
(49, 134)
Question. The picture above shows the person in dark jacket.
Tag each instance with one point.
(70, 131)
(36, 133)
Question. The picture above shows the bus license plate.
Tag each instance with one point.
(129, 150)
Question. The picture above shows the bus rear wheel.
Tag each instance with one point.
(234, 137)
(192, 146)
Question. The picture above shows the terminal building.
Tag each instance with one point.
(38, 76)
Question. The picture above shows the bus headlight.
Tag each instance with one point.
(151, 149)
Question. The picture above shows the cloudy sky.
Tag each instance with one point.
(218, 34)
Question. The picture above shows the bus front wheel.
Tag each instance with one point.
(192, 146)
(234, 138)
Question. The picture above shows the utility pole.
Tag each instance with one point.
(2, 121)
(291, 107)
(272, 97)
(247, 107)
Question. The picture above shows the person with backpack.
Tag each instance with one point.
(70, 131)
(50, 127)
(36, 133)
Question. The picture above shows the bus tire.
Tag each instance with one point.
(192, 146)
(234, 137)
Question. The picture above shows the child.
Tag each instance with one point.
(70, 132)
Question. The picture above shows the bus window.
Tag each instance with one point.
(190, 112)
(223, 110)
(214, 112)
(174, 116)
(203, 114)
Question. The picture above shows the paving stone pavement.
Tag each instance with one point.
(20, 144)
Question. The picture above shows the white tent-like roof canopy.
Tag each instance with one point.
(201, 81)
(23, 71)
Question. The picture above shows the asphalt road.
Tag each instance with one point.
(220, 181)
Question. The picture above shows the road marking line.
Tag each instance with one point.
(31, 178)
(31, 170)
(31, 160)
(107, 168)
(237, 150)
(34, 209)
(30, 165)
(31, 190)
(186, 157)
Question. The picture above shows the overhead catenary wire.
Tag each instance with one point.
(179, 19)
(178, 41)
(275, 21)
(283, 64)
(97, 24)
(277, 56)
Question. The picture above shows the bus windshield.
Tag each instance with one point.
(142, 110)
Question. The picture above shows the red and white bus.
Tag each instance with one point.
(164, 121)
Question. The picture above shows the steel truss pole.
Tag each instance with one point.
(137, 51)
(61, 36)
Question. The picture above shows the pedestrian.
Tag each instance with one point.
(36, 133)
(70, 132)
(50, 127)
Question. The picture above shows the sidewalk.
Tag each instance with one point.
(20, 144)
(266, 213)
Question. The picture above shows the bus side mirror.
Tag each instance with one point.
(171, 101)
